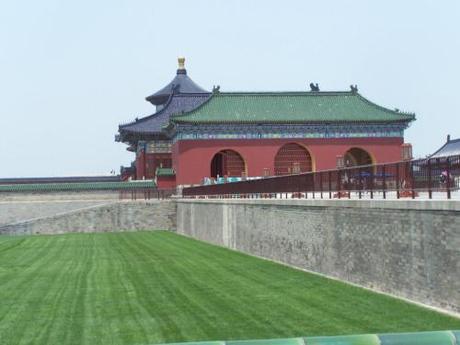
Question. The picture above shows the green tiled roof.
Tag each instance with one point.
(165, 172)
(56, 187)
(290, 107)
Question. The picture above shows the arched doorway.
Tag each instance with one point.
(361, 178)
(356, 157)
(227, 163)
(292, 159)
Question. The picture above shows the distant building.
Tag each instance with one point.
(450, 148)
(195, 134)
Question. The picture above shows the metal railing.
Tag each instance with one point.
(424, 178)
(146, 194)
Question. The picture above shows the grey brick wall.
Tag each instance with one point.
(409, 249)
(20, 211)
(112, 216)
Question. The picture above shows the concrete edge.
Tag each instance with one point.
(437, 309)
(430, 205)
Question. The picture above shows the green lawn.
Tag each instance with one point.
(152, 287)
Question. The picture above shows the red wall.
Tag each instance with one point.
(192, 158)
(147, 163)
(166, 182)
(140, 165)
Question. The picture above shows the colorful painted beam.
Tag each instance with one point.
(419, 338)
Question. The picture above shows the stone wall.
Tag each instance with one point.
(407, 248)
(101, 217)
(20, 211)
(59, 196)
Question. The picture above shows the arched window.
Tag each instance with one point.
(227, 163)
(356, 157)
(292, 159)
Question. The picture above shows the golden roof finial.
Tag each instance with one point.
(181, 61)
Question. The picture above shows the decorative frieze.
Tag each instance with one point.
(234, 131)
(159, 146)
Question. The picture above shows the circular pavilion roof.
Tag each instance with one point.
(180, 84)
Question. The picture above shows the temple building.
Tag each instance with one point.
(196, 135)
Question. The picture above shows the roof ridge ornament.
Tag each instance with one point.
(314, 88)
(354, 88)
(181, 65)
(216, 89)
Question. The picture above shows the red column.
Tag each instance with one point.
(140, 165)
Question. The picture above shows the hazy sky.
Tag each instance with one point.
(71, 71)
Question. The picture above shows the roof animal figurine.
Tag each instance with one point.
(354, 88)
(216, 89)
(314, 88)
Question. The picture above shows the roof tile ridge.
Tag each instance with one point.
(281, 93)
(192, 94)
(409, 114)
(166, 105)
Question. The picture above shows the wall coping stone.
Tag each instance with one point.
(426, 205)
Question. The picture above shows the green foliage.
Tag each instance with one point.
(156, 287)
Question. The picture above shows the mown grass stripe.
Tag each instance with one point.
(156, 287)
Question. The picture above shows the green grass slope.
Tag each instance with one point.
(152, 287)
